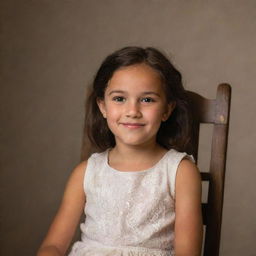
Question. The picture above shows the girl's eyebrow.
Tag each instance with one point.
(154, 93)
(144, 93)
(116, 91)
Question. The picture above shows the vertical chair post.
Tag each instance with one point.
(217, 171)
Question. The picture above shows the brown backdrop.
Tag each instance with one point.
(50, 51)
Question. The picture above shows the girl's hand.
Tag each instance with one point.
(65, 222)
(188, 222)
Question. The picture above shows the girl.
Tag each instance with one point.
(142, 194)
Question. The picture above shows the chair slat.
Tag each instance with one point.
(205, 176)
(204, 213)
(203, 109)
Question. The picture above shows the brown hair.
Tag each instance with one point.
(173, 133)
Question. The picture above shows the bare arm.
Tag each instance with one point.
(66, 220)
(188, 222)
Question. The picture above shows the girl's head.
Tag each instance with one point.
(174, 130)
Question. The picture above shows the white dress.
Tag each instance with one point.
(129, 213)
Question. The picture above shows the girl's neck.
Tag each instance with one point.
(135, 158)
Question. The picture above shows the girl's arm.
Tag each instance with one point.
(188, 222)
(65, 222)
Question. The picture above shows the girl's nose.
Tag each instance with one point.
(133, 110)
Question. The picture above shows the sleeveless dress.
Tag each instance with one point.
(129, 213)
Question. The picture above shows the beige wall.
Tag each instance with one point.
(50, 51)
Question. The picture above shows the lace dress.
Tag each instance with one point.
(128, 213)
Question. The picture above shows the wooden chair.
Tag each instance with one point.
(214, 112)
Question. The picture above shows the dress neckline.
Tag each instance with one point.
(106, 161)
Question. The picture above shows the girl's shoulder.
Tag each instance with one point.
(188, 173)
(185, 162)
(97, 157)
(79, 171)
(81, 166)
(98, 154)
(178, 156)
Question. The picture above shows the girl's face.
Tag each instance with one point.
(134, 105)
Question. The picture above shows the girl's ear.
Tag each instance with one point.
(170, 107)
(102, 107)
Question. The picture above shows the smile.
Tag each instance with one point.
(132, 125)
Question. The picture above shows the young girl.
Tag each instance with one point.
(142, 192)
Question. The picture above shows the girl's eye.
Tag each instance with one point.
(119, 99)
(147, 100)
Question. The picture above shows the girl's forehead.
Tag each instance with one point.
(141, 76)
(141, 68)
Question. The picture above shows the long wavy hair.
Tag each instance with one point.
(173, 133)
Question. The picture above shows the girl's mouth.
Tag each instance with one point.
(133, 125)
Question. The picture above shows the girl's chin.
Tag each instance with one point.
(136, 143)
